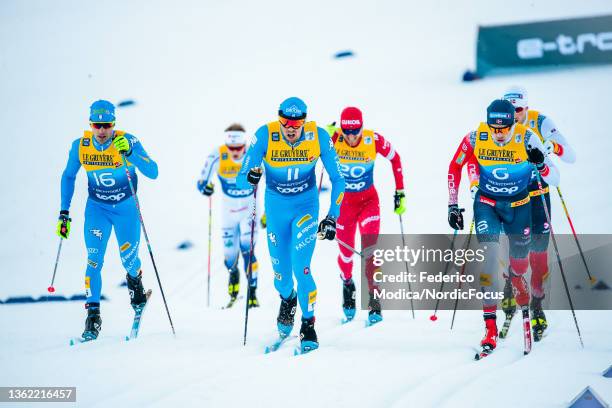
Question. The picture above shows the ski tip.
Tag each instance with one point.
(72, 342)
(267, 350)
(477, 356)
(296, 352)
(127, 338)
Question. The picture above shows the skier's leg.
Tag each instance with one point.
(97, 229)
(369, 228)
(126, 223)
(538, 255)
(517, 224)
(230, 230)
(303, 240)
(345, 231)
(488, 226)
(246, 225)
(279, 215)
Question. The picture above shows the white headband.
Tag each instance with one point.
(235, 137)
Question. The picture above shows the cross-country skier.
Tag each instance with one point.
(554, 143)
(110, 205)
(506, 153)
(357, 149)
(226, 161)
(289, 148)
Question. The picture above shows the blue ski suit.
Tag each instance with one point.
(109, 204)
(292, 202)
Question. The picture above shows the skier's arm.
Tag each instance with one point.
(211, 166)
(69, 175)
(464, 153)
(548, 170)
(561, 147)
(384, 148)
(332, 166)
(139, 157)
(253, 157)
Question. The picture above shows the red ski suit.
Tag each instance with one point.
(360, 206)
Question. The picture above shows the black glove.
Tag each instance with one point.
(254, 175)
(536, 157)
(455, 218)
(206, 189)
(327, 228)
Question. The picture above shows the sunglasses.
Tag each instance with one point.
(352, 132)
(519, 109)
(104, 125)
(291, 123)
(235, 148)
(503, 130)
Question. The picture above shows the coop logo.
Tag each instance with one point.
(96, 233)
(534, 48)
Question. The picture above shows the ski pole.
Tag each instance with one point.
(250, 269)
(592, 279)
(51, 289)
(209, 249)
(554, 240)
(434, 316)
(321, 180)
(467, 246)
(407, 268)
(129, 177)
(347, 246)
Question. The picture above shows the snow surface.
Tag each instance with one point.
(193, 68)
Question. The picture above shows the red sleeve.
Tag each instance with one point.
(473, 171)
(464, 153)
(384, 148)
(334, 137)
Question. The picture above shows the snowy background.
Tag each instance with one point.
(193, 68)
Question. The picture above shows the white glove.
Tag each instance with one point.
(549, 146)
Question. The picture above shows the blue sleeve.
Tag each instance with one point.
(69, 175)
(141, 159)
(332, 166)
(253, 157)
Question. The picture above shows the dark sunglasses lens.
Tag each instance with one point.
(351, 131)
(102, 125)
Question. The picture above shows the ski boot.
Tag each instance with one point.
(286, 315)
(308, 336)
(538, 318)
(233, 286)
(489, 341)
(93, 323)
(348, 294)
(138, 297)
(252, 298)
(375, 314)
(509, 308)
